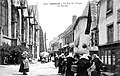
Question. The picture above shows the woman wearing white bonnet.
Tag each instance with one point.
(24, 66)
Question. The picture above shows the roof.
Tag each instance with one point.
(77, 21)
(67, 31)
(85, 13)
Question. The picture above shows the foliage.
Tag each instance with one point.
(12, 53)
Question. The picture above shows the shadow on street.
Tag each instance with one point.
(17, 74)
(50, 75)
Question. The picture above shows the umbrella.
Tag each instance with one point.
(44, 54)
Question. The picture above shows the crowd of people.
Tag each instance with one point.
(76, 64)
(70, 63)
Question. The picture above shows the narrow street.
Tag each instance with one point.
(36, 69)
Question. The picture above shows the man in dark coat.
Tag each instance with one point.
(70, 61)
(83, 64)
(60, 66)
(56, 60)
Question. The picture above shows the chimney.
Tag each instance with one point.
(74, 19)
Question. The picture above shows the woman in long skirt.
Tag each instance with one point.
(24, 66)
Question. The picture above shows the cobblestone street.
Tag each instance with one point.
(36, 69)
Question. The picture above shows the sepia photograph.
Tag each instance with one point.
(59, 37)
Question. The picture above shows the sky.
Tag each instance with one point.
(56, 15)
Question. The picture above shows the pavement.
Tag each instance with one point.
(36, 69)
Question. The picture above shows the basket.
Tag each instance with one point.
(74, 68)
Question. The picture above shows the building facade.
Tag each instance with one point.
(19, 25)
(65, 39)
(79, 34)
(54, 46)
(83, 28)
(109, 34)
(35, 32)
(41, 39)
(68, 36)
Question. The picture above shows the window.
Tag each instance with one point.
(18, 25)
(30, 34)
(109, 7)
(113, 57)
(4, 16)
(92, 39)
(103, 56)
(13, 21)
(108, 57)
(110, 33)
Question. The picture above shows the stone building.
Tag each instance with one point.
(36, 34)
(109, 34)
(68, 36)
(41, 41)
(65, 39)
(13, 24)
(83, 26)
(54, 45)
(18, 26)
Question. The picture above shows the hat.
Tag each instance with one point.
(70, 55)
(85, 56)
(62, 54)
(25, 52)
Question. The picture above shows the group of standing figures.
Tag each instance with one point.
(78, 64)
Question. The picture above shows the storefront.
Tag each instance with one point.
(110, 55)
